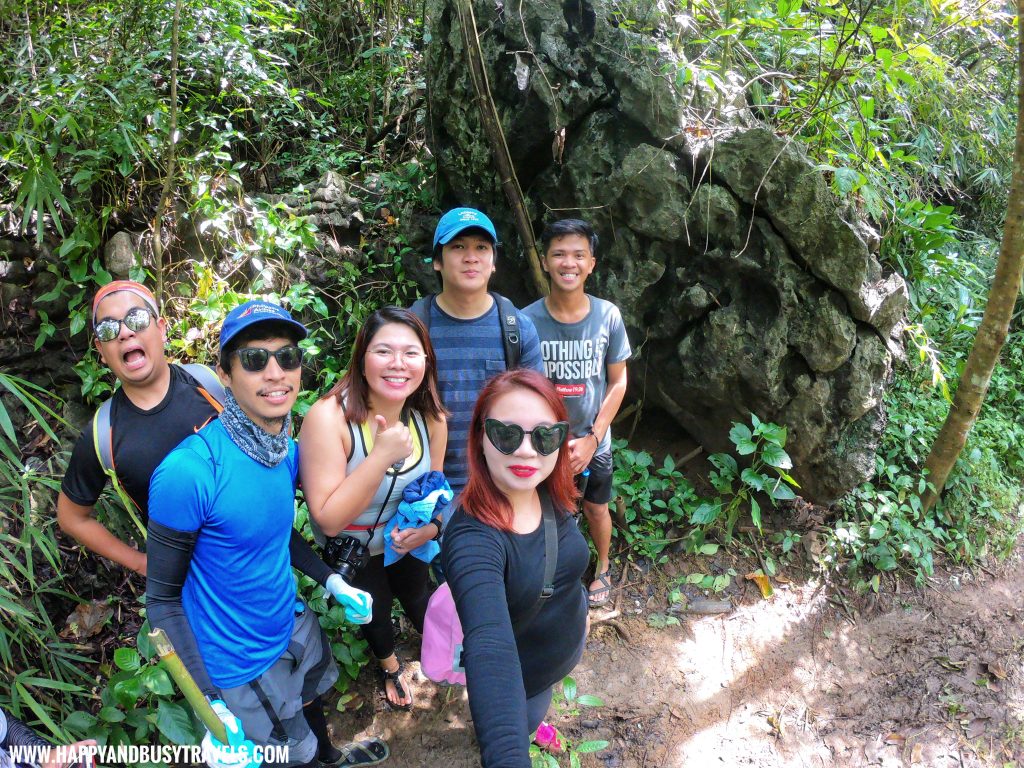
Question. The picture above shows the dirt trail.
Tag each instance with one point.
(808, 678)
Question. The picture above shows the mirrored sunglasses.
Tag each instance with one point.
(136, 320)
(255, 359)
(508, 437)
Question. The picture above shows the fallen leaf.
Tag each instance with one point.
(896, 738)
(350, 702)
(776, 724)
(763, 583)
(976, 727)
(997, 670)
(36, 442)
(813, 545)
(87, 620)
(783, 579)
(916, 754)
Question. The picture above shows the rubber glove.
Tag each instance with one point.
(358, 605)
(238, 752)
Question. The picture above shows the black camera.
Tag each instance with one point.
(346, 555)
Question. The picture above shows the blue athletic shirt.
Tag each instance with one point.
(469, 352)
(239, 596)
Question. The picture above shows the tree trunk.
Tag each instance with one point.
(491, 123)
(988, 342)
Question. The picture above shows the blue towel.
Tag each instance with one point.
(423, 499)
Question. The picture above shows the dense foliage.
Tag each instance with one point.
(906, 107)
(903, 105)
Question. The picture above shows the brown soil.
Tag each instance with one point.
(811, 677)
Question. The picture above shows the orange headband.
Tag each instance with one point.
(124, 285)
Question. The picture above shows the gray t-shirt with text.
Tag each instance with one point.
(576, 358)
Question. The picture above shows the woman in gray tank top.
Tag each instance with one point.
(381, 427)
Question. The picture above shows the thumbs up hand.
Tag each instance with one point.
(394, 443)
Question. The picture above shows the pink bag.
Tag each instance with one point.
(441, 652)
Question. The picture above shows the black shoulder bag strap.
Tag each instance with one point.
(550, 559)
(511, 341)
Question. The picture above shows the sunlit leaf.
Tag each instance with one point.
(763, 583)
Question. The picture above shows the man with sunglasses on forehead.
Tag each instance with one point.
(157, 405)
(222, 547)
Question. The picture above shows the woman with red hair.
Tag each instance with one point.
(517, 645)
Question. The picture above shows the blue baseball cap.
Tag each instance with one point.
(458, 220)
(253, 312)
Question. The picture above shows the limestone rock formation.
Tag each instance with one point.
(745, 284)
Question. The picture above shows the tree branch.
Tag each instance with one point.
(499, 148)
(172, 138)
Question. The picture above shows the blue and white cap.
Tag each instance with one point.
(458, 220)
(253, 312)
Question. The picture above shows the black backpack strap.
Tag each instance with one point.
(508, 318)
(550, 558)
(550, 554)
(511, 339)
(421, 308)
(278, 731)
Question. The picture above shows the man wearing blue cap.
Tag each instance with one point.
(222, 547)
(476, 334)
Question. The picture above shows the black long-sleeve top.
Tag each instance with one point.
(495, 579)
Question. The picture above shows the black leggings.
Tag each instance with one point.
(536, 707)
(406, 580)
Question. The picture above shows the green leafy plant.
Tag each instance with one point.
(715, 582)
(139, 703)
(766, 474)
(567, 701)
(654, 499)
(882, 528)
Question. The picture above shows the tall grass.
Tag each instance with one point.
(40, 673)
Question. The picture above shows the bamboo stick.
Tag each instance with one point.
(187, 685)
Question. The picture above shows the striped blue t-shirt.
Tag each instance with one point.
(469, 352)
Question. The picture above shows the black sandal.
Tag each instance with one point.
(395, 678)
(371, 751)
(600, 595)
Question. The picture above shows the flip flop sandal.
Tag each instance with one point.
(599, 596)
(371, 751)
(395, 679)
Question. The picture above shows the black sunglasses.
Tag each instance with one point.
(255, 359)
(508, 437)
(136, 320)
